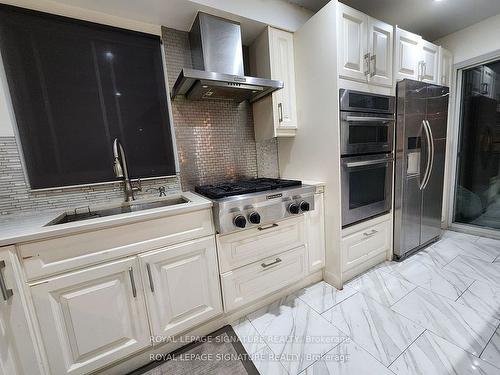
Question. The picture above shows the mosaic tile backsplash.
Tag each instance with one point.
(215, 138)
(215, 142)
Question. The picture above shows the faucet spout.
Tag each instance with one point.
(120, 169)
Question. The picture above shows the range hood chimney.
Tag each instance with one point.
(217, 56)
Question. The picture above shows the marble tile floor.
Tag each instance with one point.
(437, 312)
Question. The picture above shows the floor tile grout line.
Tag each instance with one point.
(445, 339)
(460, 296)
(494, 332)
(405, 349)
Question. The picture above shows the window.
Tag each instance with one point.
(75, 87)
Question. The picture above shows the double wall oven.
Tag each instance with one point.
(367, 162)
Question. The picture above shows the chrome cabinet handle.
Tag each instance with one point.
(367, 64)
(6, 293)
(268, 227)
(370, 233)
(150, 278)
(132, 281)
(280, 112)
(420, 70)
(373, 72)
(266, 265)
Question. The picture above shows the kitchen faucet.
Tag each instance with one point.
(121, 171)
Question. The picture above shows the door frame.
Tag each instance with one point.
(452, 147)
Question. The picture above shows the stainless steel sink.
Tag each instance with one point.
(89, 213)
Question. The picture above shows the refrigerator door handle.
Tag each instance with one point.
(431, 165)
(429, 156)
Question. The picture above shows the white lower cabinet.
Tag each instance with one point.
(364, 241)
(247, 284)
(92, 317)
(315, 225)
(182, 285)
(17, 351)
(244, 247)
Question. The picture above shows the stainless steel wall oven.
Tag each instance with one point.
(367, 163)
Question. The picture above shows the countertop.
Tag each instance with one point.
(20, 228)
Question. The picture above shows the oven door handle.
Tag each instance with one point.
(368, 162)
(368, 119)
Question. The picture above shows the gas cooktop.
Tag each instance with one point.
(229, 189)
(258, 203)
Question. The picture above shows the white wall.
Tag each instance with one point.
(473, 41)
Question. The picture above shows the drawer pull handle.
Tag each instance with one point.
(6, 293)
(268, 227)
(264, 265)
(150, 277)
(132, 281)
(370, 233)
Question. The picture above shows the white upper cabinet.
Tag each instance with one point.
(446, 67)
(429, 69)
(92, 317)
(182, 285)
(365, 47)
(282, 68)
(407, 56)
(418, 59)
(352, 43)
(380, 44)
(272, 57)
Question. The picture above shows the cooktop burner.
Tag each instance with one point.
(244, 187)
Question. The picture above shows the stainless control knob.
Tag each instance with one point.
(240, 221)
(294, 208)
(254, 218)
(305, 206)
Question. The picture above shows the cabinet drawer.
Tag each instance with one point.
(256, 280)
(242, 248)
(58, 255)
(366, 243)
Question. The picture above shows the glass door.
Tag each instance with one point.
(477, 191)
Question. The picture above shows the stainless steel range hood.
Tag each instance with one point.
(217, 56)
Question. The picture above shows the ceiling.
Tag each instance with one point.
(432, 19)
(313, 5)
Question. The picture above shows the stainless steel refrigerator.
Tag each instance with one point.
(422, 114)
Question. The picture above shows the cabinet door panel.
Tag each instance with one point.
(92, 317)
(380, 42)
(430, 58)
(315, 225)
(17, 351)
(182, 285)
(283, 70)
(352, 43)
(407, 55)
